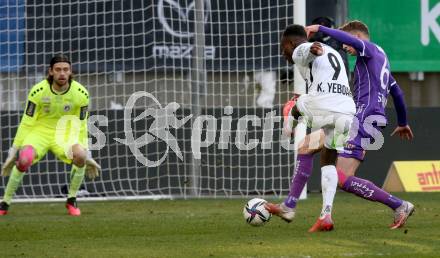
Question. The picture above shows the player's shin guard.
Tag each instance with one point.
(76, 178)
(14, 181)
(329, 183)
(367, 190)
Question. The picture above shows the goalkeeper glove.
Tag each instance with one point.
(289, 122)
(10, 161)
(92, 168)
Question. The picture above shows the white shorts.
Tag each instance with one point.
(336, 125)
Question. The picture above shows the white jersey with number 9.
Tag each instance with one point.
(326, 78)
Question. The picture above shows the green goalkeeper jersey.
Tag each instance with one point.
(45, 107)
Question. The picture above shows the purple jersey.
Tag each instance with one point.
(372, 77)
(372, 81)
(372, 84)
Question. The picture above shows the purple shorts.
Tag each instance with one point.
(354, 148)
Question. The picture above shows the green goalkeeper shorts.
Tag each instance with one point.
(43, 139)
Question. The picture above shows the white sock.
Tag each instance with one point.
(329, 183)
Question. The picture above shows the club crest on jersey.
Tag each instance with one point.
(67, 107)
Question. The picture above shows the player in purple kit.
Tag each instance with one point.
(372, 84)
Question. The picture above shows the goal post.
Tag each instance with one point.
(299, 83)
(186, 96)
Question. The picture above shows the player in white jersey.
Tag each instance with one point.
(327, 105)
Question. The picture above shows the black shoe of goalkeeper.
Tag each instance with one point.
(3, 208)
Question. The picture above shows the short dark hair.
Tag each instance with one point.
(295, 30)
(355, 26)
(324, 21)
(60, 58)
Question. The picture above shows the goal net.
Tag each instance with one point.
(185, 95)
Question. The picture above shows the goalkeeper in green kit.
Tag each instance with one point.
(55, 119)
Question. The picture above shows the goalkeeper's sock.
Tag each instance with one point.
(13, 183)
(76, 178)
(303, 170)
(329, 183)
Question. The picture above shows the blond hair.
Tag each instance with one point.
(355, 26)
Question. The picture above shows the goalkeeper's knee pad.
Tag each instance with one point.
(25, 158)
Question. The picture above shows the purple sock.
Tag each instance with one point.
(303, 170)
(370, 191)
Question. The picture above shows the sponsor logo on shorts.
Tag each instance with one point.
(347, 151)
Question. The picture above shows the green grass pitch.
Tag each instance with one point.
(216, 228)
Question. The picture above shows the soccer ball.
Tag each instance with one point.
(255, 213)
